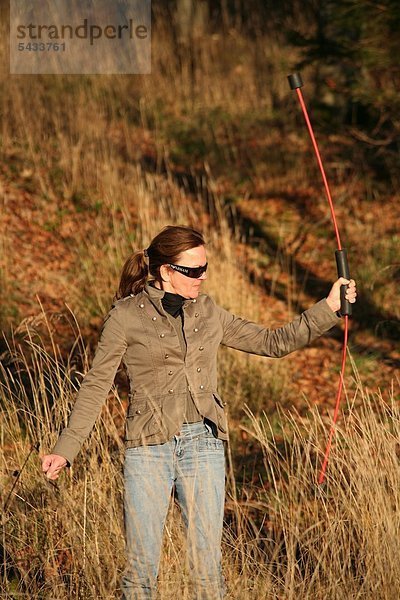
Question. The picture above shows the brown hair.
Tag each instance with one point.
(165, 248)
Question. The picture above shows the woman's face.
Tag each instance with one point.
(178, 283)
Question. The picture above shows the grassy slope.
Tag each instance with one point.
(94, 167)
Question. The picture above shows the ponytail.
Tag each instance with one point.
(165, 248)
(134, 275)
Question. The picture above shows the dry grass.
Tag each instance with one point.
(93, 157)
(290, 539)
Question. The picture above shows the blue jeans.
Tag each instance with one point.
(193, 461)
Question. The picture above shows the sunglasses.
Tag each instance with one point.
(193, 272)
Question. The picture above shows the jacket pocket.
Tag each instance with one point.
(220, 413)
(143, 419)
(219, 400)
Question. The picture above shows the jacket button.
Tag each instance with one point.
(194, 300)
(154, 318)
(162, 335)
(166, 356)
(138, 412)
(201, 348)
(170, 372)
(202, 387)
(196, 314)
(198, 369)
(141, 305)
(170, 391)
(224, 403)
(195, 329)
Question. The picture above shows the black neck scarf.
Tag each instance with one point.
(172, 303)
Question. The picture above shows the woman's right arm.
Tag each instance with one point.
(91, 396)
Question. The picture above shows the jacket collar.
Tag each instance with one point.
(156, 294)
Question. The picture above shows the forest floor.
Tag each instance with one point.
(287, 253)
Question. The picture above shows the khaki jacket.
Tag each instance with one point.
(138, 331)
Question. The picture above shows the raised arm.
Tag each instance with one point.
(257, 339)
(251, 337)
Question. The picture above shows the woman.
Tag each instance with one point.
(167, 335)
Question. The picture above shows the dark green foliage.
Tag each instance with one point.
(353, 48)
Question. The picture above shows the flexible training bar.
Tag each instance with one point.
(296, 83)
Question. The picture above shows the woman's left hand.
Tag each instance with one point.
(334, 295)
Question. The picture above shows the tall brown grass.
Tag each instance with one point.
(81, 145)
(290, 538)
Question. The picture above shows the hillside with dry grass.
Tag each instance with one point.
(92, 168)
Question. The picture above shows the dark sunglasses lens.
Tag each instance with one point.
(197, 272)
(193, 272)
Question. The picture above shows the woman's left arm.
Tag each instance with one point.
(256, 339)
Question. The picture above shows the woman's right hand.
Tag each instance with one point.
(52, 465)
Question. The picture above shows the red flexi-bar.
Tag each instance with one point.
(296, 83)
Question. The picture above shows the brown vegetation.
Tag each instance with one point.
(93, 168)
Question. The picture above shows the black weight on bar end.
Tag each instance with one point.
(343, 271)
(295, 81)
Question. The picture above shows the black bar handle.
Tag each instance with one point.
(343, 271)
(295, 81)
